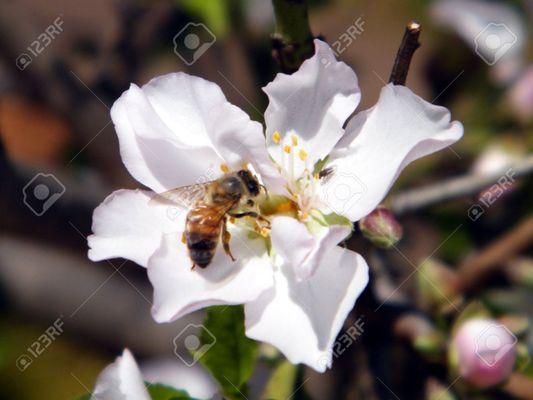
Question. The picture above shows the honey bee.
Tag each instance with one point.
(210, 205)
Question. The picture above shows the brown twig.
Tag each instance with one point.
(453, 188)
(519, 386)
(405, 53)
(475, 269)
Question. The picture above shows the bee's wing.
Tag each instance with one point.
(184, 196)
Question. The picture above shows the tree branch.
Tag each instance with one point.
(405, 53)
(475, 269)
(453, 188)
(292, 42)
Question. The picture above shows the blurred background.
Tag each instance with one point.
(464, 254)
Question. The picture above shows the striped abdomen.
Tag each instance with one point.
(202, 231)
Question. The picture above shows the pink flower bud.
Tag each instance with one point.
(484, 352)
(381, 227)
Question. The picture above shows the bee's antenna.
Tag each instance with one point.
(266, 190)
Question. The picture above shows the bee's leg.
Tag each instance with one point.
(193, 265)
(252, 214)
(226, 236)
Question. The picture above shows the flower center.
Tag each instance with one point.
(302, 186)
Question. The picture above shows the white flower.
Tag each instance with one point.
(122, 380)
(179, 129)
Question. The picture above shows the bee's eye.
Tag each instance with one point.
(232, 186)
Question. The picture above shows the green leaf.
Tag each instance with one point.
(320, 164)
(162, 392)
(228, 354)
(215, 14)
(281, 383)
(319, 220)
(158, 391)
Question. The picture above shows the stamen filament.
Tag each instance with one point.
(294, 140)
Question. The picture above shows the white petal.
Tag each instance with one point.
(206, 117)
(302, 250)
(302, 319)
(152, 152)
(179, 291)
(313, 103)
(121, 380)
(178, 130)
(171, 372)
(494, 30)
(126, 226)
(379, 144)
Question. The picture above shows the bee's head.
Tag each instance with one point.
(250, 181)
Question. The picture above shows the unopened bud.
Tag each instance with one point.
(381, 227)
(483, 352)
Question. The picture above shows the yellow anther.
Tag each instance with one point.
(183, 238)
(287, 149)
(304, 215)
(302, 154)
(224, 168)
(316, 175)
(276, 137)
(232, 220)
(285, 207)
(294, 140)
